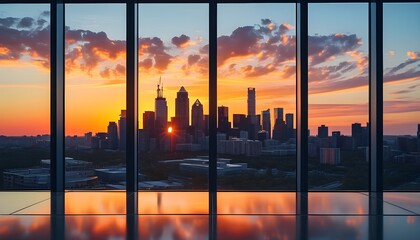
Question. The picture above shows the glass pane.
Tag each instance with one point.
(256, 137)
(173, 98)
(24, 96)
(95, 96)
(401, 97)
(338, 97)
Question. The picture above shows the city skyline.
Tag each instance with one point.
(89, 87)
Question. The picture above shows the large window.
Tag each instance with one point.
(24, 96)
(95, 96)
(338, 97)
(401, 97)
(256, 97)
(255, 67)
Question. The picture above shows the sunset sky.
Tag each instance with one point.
(256, 48)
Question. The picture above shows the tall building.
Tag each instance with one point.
(289, 120)
(161, 110)
(197, 116)
(251, 105)
(122, 125)
(278, 114)
(182, 108)
(112, 136)
(266, 122)
(223, 124)
(323, 131)
(280, 131)
(149, 121)
(239, 121)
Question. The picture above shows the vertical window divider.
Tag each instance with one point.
(376, 106)
(213, 107)
(302, 106)
(131, 104)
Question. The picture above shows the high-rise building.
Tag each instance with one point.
(251, 105)
(278, 114)
(122, 125)
(239, 121)
(149, 121)
(161, 110)
(280, 131)
(359, 135)
(266, 122)
(223, 124)
(197, 116)
(289, 120)
(323, 131)
(182, 108)
(112, 136)
(206, 124)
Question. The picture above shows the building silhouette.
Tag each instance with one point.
(251, 105)
(266, 122)
(161, 111)
(122, 125)
(223, 123)
(197, 116)
(278, 114)
(112, 136)
(322, 131)
(182, 108)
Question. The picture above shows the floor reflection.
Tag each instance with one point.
(173, 202)
(95, 202)
(198, 227)
(256, 203)
(338, 203)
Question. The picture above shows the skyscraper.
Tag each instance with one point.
(122, 125)
(223, 123)
(182, 108)
(149, 122)
(251, 105)
(112, 136)
(289, 120)
(161, 110)
(197, 117)
(278, 114)
(266, 122)
(239, 121)
(323, 131)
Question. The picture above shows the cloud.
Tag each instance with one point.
(192, 59)
(17, 42)
(26, 22)
(323, 48)
(180, 41)
(242, 42)
(391, 53)
(401, 106)
(153, 48)
(413, 55)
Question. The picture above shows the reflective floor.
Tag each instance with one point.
(183, 215)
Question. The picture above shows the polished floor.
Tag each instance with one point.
(183, 215)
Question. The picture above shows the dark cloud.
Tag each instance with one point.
(180, 41)
(265, 21)
(153, 48)
(21, 42)
(252, 71)
(26, 22)
(321, 48)
(192, 59)
(242, 42)
(146, 63)
(8, 22)
(403, 65)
